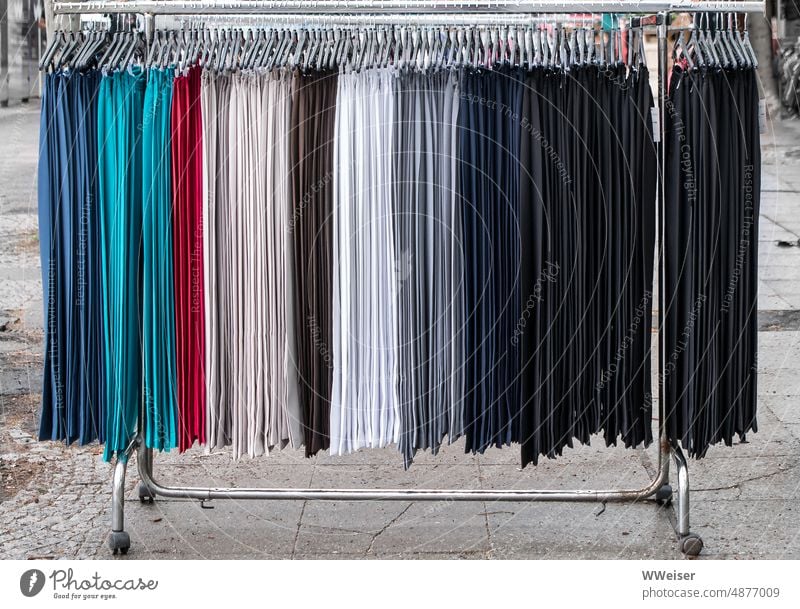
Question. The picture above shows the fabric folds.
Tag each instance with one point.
(73, 400)
(489, 141)
(394, 253)
(587, 220)
(158, 302)
(711, 281)
(119, 128)
(364, 400)
(187, 227)
(311, 173)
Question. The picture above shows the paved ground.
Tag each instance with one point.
(54, 501)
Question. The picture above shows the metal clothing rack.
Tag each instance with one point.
(444, 12)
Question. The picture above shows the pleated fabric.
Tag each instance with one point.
(429, 259)
(346, 260)
(250, 347)
(187, 225)
(73, 404)
(285, 421)
(587, 220)
(364, 401)
(158, 302)
(119, 129)
(489, 146)
(711, 282)
(215, 106)
(311, 174)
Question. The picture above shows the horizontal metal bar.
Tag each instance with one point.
(423, 19)
(276, 7)
(338, 494)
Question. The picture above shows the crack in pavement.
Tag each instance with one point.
(737, 485)
(383, 529)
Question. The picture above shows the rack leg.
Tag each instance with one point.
(691, 543)
(145, 462)
(119, 540)
(664, 494)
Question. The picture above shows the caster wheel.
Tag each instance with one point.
(119, 541)
(664, 495)
(691, 545)
(145, 496)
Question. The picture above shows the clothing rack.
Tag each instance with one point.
(422, 12)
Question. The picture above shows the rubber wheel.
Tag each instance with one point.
(664, 495)
(691, 545)
(119, 541)
(145, 496)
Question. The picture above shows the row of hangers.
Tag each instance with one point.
(94, 47)
(421, 48)
(724, 47)
(222, 49)
(547, 44)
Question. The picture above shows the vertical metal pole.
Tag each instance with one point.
(144, 461)
(5, 80)
(38, 14)
(682, 513)
(118, 496)
(39, 55)
(149, 28)
(663, 23)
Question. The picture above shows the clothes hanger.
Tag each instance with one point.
(327, 45)
(642, 60)
(512, 47)
(235, 60)
(438, 53)
(428, 42)
(134, 51)
(85, 43)
(392, 45)
(93, 43)
(306, 53)
(66, 51)
(155, 46)
(343, 49)
(119, 47)
(502, 47)
(693, 47)
(263, 57)
(748, 48)
(205, 44)
(735, 42)
(249, 47)
(292, 42)
(318, 49)
(171, 56)
(368, 41)
(225, 50)
(89, 38)
(706, 44)
(571, 47)
(52, 48)
(336, 42)
(552, 47)
(128, 46)
(461, 51)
